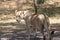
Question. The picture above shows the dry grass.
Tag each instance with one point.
(7, 17)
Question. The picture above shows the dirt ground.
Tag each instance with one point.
(11, 29)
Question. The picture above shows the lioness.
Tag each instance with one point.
(36, 21)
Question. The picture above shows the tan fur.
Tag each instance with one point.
(35, 20)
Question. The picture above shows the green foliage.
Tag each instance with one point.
(40, 1)
(49, 12)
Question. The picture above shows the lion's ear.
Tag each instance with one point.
(15, 11)
(25, 12)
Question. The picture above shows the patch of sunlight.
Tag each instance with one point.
(54, 20)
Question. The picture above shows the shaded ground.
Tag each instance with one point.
(14, 31)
